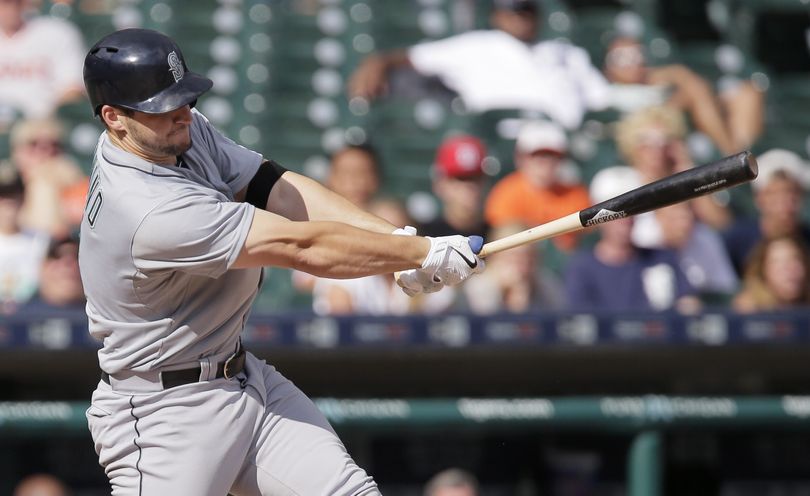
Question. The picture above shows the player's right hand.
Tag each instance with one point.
(451, 259)
(415, 281)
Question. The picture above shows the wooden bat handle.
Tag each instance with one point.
(720, 174)
(556, 227)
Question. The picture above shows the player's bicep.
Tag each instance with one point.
(258, 191)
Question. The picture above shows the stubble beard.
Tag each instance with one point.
(163, 145)
(177, 148)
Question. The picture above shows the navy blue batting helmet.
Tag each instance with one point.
(140, 69)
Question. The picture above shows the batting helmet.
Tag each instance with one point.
(140, 69)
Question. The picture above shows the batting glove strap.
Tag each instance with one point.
(451, 260)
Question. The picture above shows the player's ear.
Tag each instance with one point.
(110, 115)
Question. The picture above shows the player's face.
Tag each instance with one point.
(160, 135)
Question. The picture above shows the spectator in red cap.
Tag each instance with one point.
(535, 192)
(458, 182)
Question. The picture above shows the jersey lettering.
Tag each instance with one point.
(94, 200)
(92, 212)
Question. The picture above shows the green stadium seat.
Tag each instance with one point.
(279, 295)
(688, 22)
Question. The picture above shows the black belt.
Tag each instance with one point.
(172, 378)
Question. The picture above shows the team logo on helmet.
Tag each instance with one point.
(175, 66)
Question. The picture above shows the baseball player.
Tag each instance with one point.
(178, 223)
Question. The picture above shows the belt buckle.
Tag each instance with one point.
(234, 364)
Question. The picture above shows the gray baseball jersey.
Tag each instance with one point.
(157, 244)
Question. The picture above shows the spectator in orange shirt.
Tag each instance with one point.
(534, 193)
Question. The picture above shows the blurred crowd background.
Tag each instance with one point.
(478, 117)
(459, 117)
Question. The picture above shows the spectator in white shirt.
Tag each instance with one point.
(21, 250)
(41, 61)
(501, 68)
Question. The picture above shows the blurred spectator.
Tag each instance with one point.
(60, 284)
(452, 482)
(458, 182)
(354, 173)
(500, 68)
(784, 179)
(40, 61)
(21, 251)
(55, 186)
(615, 274)
(635, 85)
(372, 295)
(777, 276)
(515, 280)
(535, 193)
(652, 142)
(700, 250)
(40, 485)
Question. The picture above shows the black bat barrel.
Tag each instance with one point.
(698, 181)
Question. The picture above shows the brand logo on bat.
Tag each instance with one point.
(605, 215)
(709, 186)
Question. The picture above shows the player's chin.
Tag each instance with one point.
(179, 145)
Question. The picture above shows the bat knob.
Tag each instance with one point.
(476, 243)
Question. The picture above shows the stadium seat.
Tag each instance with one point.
(688, 22)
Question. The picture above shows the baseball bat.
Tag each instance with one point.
(698, 181)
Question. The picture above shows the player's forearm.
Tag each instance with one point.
(300, 198)
(339, 251)
(328, 249)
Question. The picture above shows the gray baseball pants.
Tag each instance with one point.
(256, 434)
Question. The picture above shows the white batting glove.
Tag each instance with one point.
(416, 281)
(451, 259)
(412, 281)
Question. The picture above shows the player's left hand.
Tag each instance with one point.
(452, 259)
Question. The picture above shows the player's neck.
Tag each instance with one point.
(129, 145)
